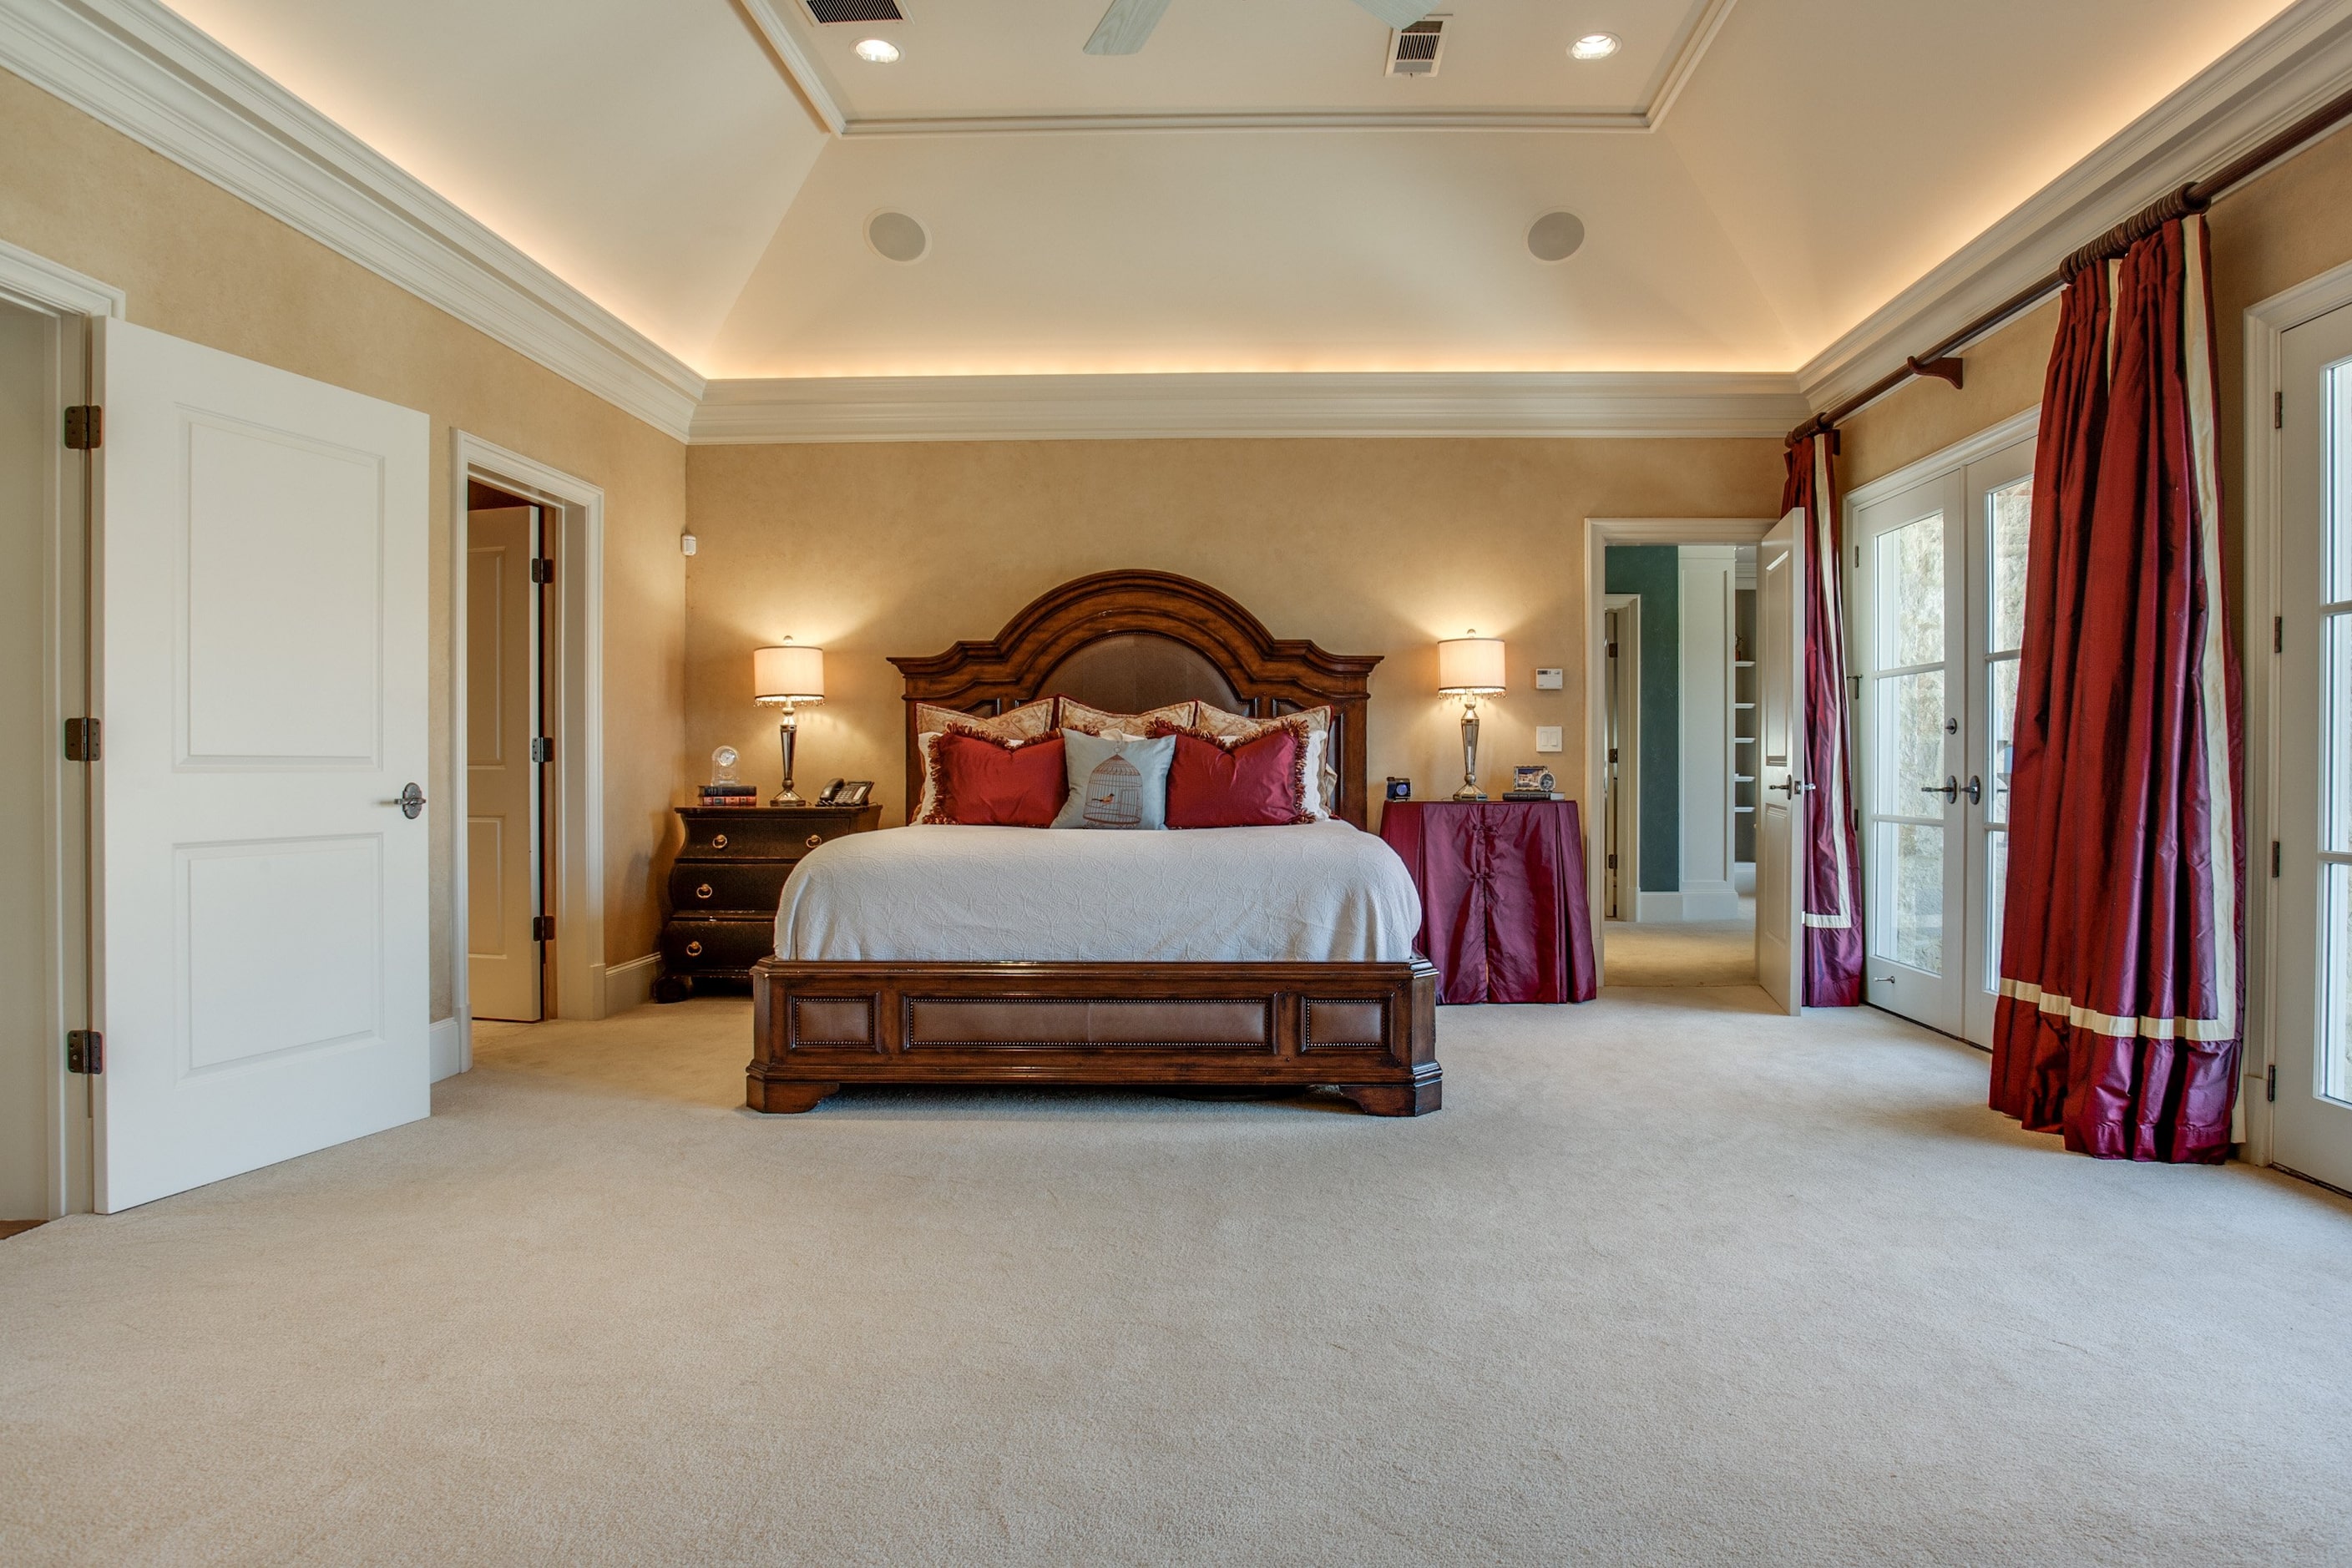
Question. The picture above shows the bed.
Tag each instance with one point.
(1252, 959)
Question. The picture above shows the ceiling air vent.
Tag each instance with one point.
(855, 10)
(1415, 50)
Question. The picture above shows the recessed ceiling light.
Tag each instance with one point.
(1594, 47)
(882, 51)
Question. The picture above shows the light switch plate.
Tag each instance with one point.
(1553, 680)
(1548, 737)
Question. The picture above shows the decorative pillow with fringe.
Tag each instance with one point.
(976, 779)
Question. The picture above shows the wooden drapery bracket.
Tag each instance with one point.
(1949, 368)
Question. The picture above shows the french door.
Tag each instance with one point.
(2312, 1119)
(1938, 591)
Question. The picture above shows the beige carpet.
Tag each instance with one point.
(1680, 952)
(1670, 1280)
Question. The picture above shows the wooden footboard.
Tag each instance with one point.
(1369, 1030)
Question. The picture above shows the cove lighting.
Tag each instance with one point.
(877, 51)
(1594, 47)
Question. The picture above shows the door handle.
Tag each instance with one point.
(1792, 786)
(1949, 789)
(411, 801)
(1975, 790)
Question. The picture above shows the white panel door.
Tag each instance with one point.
(1783, 794)
(502, 777)
(263, 670)
(2311, 1128)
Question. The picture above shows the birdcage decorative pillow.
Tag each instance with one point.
(1116, 780)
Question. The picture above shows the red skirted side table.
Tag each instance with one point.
(1503, 910)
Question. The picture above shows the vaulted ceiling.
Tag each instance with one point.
(1251, 192)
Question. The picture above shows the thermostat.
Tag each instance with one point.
(1552, 680)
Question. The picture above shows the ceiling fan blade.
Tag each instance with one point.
(1398, 13)
(1125, 26)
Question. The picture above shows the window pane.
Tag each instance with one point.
(1912, 858)
(2335, 734)
(2336, 547)
(1910, 578)
(2011, 510)
(1910, 742)
(2003, 682)
(1995, 890)
(2335, 981)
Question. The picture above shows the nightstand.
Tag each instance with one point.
(728, 880)
(1502, 912)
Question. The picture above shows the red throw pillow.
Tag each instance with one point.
(1253, 785)
(985, 783)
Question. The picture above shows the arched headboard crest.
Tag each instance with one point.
(1129, 618)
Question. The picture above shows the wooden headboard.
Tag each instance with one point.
(1126, 641)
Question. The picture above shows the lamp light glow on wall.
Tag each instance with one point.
(1470, 666)
(791, 677)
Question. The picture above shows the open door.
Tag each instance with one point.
(1783, 794)
(261, 596)
(505, 951)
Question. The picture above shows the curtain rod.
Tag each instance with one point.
(1940, 362)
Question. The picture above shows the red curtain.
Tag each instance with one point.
(1831, 870)
(2122, 957)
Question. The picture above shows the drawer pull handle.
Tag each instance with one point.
(812, 840)
(718, 841)
(703, 892)
(694, 950)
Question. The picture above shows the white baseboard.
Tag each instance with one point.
(1700, 902)
(451, 1048)
(630, 984)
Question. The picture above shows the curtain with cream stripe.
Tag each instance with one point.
(2121, 955)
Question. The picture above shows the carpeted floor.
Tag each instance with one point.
(1681, 952)
(1669, 1280)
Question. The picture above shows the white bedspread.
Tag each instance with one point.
(1317, 892)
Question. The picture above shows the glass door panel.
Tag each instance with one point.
(1939, 604)
(2311, 1040)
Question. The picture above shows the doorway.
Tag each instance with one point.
(1673, 699)
(507, 752)
(1936, 569)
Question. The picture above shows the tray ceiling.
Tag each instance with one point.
(1820, 156)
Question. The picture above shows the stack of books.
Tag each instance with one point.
(729, 794)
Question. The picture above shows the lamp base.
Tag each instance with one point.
(787, 796)
(1467, 793)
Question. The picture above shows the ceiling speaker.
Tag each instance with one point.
(1555, 237)
(897, 237)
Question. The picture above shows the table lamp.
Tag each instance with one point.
(788, 676)
(1469, 667)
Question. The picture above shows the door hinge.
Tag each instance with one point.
(543, 570)
(1612, 862)
(85, 1052)
(1613, 648)
(81, 741)
(2274, 857)
(2270, 1082)
(2278, 634)
(542, 748)
(1857, 557)
(85, 427)
(543, 927)
(2278, 410)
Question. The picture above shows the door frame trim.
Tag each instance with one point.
(2266, 324)
(1599, 533)
(572, 519)
(1629, 763)
(32, 282)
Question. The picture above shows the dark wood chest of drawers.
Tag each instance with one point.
(729, 877)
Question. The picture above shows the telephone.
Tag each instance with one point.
(854, 793)
(825, 795)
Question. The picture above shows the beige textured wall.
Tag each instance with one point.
(2291, 224)
(200, 264)
(1364, 546)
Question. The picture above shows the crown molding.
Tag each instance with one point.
(137, 68)
(2286, 69)
(1707, 20)
(1127, 408)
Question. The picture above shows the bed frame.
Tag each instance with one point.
(1123, 641)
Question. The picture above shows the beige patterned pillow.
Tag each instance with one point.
(1315, 727)
(1076, 715)
(1025, 722)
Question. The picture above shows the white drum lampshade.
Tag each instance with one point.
(1470, 666)
(788, 675)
